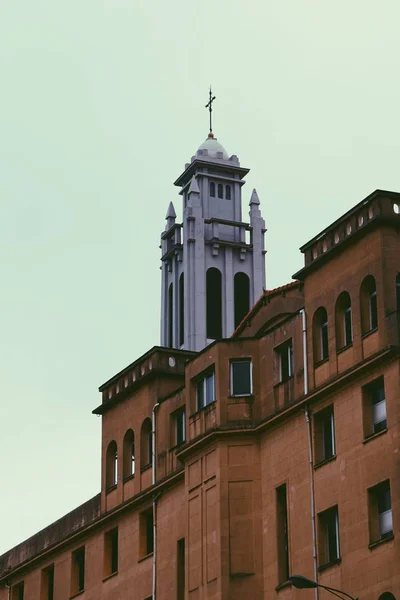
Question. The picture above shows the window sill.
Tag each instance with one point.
(142, 558)
(321, 463)
(111, 488)
(283, 381)
(76, 595)
(373, 545)
(240, 396)
(128, 478)
(344, 348)
(367, 333)
(172, 448)
(282, 586)
(318, 363)
(330, 564)
(203, 408)
(374, 435)
(110, 576)
(145, 468)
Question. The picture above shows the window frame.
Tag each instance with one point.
(347, 334)
(372, 393)
(178, 415)
(232, 362)
(146, 533)
(111, 552)
(375, 521)
(280, 351)
(324, 536)
(202, 380)
(78, 570)
(321, 418)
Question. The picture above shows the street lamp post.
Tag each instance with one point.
(301, 582)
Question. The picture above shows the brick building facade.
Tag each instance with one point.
(271, 452)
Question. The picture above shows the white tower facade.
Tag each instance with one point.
(213, 263)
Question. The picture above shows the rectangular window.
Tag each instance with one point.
(241, 378)
(348, 328)
(374, 407)
(282, 534)
(328, 536)
(18, 591)
(179, 427)
(285, 357)
(111, 552)
(205, 390)
(146, 534)
(324, 435)
(47, 583)
(180, 569)
(78, 571)
(380, 512)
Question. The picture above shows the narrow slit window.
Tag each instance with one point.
(282, 534)
(228, 192)
(220, 190)
(212, 189)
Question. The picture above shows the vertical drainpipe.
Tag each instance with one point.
(307, 415)
(153, 481)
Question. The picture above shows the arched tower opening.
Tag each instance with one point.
(214, 303)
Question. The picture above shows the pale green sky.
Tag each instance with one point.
(102, 103)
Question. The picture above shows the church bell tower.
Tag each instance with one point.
(213, 263)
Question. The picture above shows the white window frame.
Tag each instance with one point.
(332, 435)
(289, 350)
(241, 360)
(203, 380)
(181, 414)
(324, 326)
(370, 296)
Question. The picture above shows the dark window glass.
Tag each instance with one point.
(228, 192)
(181, 310)
(241, 377)
(214, 303)
(170, 316)
(348, 332)
(241, 285)
(329, 547)
(180, 426)
(181, 569)
(212, 189)
(282, 534)
(114, 550)
(398, 291)
(324, 341)
(220, 190)
(149, 532)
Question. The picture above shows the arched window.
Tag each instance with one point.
(228, 192)
(220, 190)
(241, 285)
(129, 454)
(387, 596)
(320, 335)
(181, 310)
(368, 305)
(170, 315)
(111, 465)
(398, 291)
(214, 303)
(343, 321)
(145, 443)
(212, 189)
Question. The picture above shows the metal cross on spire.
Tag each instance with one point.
(209, 106)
